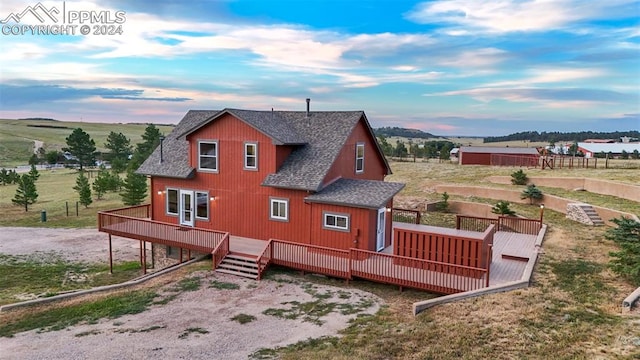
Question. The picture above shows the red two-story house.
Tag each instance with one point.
(313, 177)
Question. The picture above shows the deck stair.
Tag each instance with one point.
(592, 214)
(240, 265)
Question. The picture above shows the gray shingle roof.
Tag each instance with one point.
(317, 140)
(370, 194)
(498, 150)
(175, 149)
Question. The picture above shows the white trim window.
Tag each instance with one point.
(359, 157)
(208, 156)
(251, 156)
(172, 201)
(335, 221)
(279, 209)
(202, 205)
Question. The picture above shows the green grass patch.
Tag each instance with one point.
(187, 284)
(221, 285)
(243, 318)
(143, 330)
(581, 278)
(189, 331)
(87, 333)
(90, 312)
(45, 274)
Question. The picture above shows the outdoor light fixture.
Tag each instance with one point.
(388, 209)
(160, 192)
(213, 198)
(541, 212)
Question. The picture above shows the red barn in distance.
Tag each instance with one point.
(498, 156)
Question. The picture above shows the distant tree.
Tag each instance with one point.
(82, 146)
(635, 154)
(624, 155)
(26, 193)
(52, 157)
(13, 177)
(502, 208)
(4, 176)
(151, 139)
(120, 150)
(519, 178)
(101, 183)
(35, 175)
(134, 189)
(626, 261)
(573, 149)
(531, 193)
(445, 151)
(33, 160)
(387, 149)
(83, 189)
(400, 150)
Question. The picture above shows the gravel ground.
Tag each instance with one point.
(195, 325)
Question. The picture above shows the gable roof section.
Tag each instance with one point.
(370, 194)
(499, 150)
(267, 122)
(175, 159)
(317, 139)
(615, 148)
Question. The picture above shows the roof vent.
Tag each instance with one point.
(308, 102)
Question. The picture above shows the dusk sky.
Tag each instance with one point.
(448, 67)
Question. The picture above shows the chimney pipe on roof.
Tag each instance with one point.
(161, 141)
(308, 102)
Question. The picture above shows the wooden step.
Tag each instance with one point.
(237, 273)
(251, 270)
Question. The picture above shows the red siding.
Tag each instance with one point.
(467, 158)
(345, 164)
(242, 205)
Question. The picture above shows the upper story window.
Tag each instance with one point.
(251, 156)
(359, 157)
(208, 156)
(279, 209)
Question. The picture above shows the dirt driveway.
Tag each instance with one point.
(201, 323)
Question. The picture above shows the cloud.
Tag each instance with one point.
(19, 96)
(515, 15)
(552, 97)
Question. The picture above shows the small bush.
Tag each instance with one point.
(519, 178)
(502, 208)
(531, 193)
(243, 318)
(626, 262)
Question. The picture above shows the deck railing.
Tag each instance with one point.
(220, 251)
(406, 215)
(520, 225)
(264, 259)
(138, 211)
(416, 273)
(503, 223)
(392, 269)
(316, 259)
(202, 240)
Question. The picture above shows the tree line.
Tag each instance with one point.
(121, 155)
(402, 132)
(555, 136)
(433, 149)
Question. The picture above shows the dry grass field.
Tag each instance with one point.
(571, 311)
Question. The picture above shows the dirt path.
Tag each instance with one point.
(85, 245)
(195, 324)
(37, 144)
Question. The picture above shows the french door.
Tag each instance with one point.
(380, 229)
(187, 205)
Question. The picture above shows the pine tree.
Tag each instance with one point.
(4, 177)
(26, 193)
(34, 173)
(531, 193)
(135, 189)
(101, 183)
(502, 208)
(83, 189)
(626, 261)
(151, 139)
(82, 146)
(120, 150)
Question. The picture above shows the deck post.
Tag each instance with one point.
(144, 257)
(188, 254)
(140, 246)
(181, 250)
(110, 257)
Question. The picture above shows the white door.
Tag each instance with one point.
(380, 229)
(186, 207)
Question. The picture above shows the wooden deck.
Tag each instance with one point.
(511, 254)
